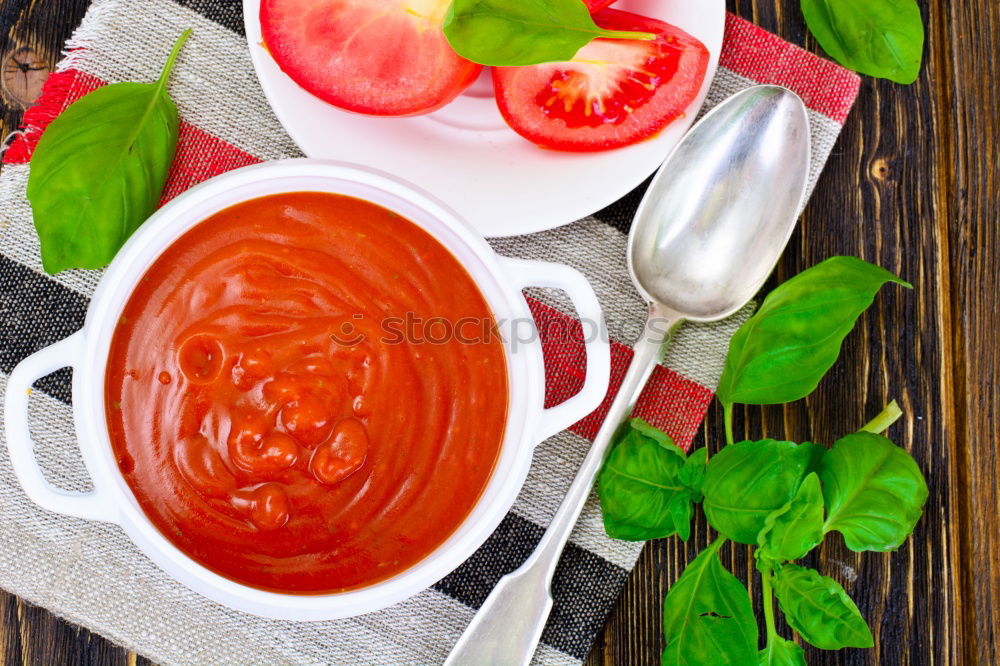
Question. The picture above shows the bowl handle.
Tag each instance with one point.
(525, 273)
(89, 505)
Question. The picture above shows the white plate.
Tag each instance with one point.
(466, 155)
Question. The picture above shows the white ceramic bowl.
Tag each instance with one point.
(500, 280)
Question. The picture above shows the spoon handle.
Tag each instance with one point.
(509, 624)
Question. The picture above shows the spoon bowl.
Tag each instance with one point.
(720, 210)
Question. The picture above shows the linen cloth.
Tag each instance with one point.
(91, 574)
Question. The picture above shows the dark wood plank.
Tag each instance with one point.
(887, 196)
(971, 224)
(912, 185)
(32, 636)
(32, 33)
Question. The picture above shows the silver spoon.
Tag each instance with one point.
(707, 234)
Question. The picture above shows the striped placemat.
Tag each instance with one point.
(92, 575)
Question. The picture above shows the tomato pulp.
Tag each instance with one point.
(381, 57)
(285, 403)
(613, 93)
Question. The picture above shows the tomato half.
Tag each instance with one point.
(613, 93)
(381, 57)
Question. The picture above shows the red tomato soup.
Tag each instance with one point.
(285, 402)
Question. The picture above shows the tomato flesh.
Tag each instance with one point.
(380, 57)
(613, 93)
(597, 94)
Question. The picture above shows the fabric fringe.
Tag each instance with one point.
(90, 30)
(52, 102)
(56, 91)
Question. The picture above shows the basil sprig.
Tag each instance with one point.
(648, 486)
(525, 32)
(780, 497)
(883, 38)
(99, 169)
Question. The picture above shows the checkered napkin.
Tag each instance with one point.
(91, 574)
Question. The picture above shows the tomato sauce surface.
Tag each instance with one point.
(285, 400)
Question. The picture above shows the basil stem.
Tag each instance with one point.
(886, 418)
(161, 83)
(772, 632)
(727, 408)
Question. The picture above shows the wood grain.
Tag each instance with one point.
(909, 187)
(31, 27)
(913, 186)
(970, 223)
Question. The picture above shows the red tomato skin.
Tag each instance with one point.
(410, 72)
(516, 90)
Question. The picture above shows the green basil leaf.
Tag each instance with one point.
(640, 427)
(874, 492)
(815, 453)
(781, 652)
(782, 352)
(883, 38)
(797, 527)
(693, 473)
(639, 485)
(99, 169)
(818, 608)
(707, 616)
(681, 511)
(746, 481)
(525, 32)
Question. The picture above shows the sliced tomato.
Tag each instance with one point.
(613, 93)
(382, 57)
(597, 5)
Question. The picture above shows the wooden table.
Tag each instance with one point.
(913, 186)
